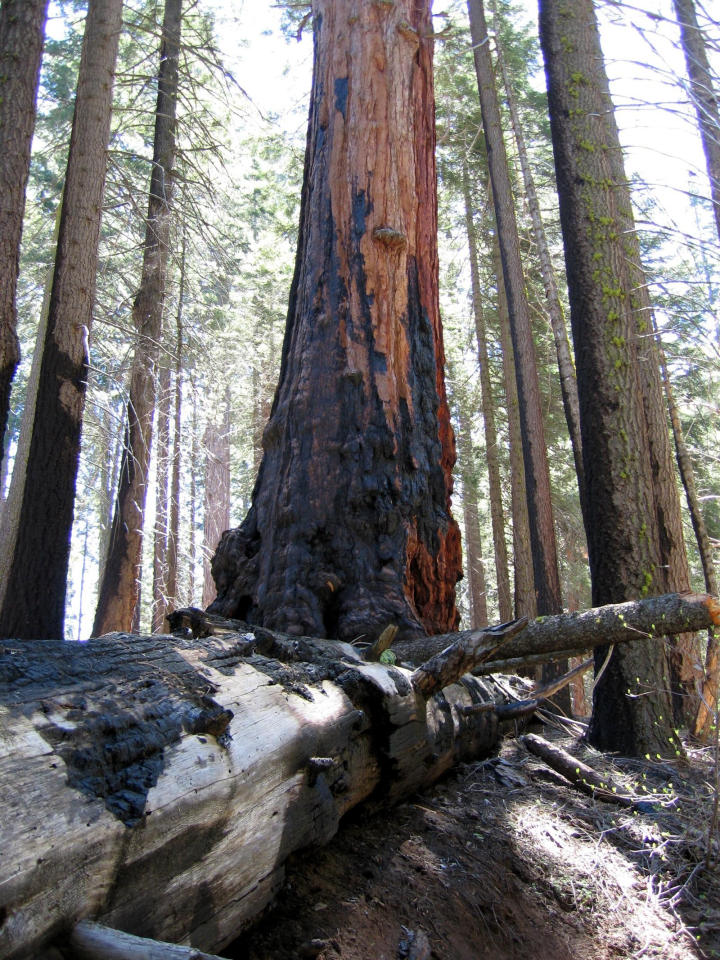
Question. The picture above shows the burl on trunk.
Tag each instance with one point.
(350, 524)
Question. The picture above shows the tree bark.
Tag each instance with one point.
(22, 34)
(118, 595)
(629, 521)
(350, 526)
(537, 475)
(488, 410)
(156, 785)
(40, 553)
(703, 96)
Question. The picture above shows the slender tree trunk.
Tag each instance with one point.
(566, 364)
(350, 525)
(525, 604)
(38, 570)
(709, 685)
(626, 473)
(537, 475)
(192, 506)
(703, 95)
(217, 498)
(160, 539)
(119, 591)
(477, 590)
(174, 527)
(488, 409)
(22, 33)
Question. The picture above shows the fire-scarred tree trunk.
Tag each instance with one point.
(350, 525)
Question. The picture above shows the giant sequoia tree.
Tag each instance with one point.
(350, 524)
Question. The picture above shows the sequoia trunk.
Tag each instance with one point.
(350, 524)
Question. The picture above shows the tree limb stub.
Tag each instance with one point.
(463, 656)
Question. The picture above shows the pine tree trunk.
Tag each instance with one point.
(40, 556)
(709, 683)
(566, 364)
(632, 710)
(160, 538)
(22, 33)
(537, 476)
(192, 506)
(119, 591)
(703, 95)
(525, 605)
(477, 590)
(497, 514)
(350, 525)
(174, 526)
(217, 498)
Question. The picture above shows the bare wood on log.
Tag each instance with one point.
(580, 775)
(93, 941)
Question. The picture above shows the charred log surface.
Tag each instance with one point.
(350, 526)
(111, 737)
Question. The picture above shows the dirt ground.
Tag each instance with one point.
(505, 860)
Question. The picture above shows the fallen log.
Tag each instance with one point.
(579, 774)
(570, 634)
(157, 785)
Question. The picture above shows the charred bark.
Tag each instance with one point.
(350, 525)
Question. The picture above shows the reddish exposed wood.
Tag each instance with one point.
(350, 526)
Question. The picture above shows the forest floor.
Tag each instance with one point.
(503, 859)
